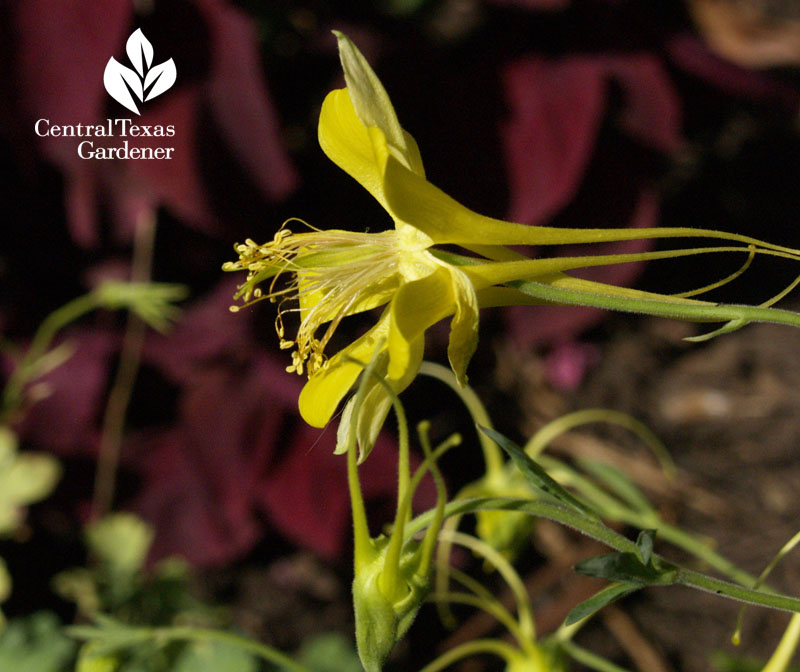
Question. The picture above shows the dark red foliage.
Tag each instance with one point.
(557, 110)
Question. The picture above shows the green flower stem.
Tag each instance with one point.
(50, 326)
(399, 530)
(660, 308)
(494, 646)
(403, 458)
(783, 655)
(428, 545)
(130, 358)
(492, 455)
(363, 550)
(477, 588)
(590, 659)
(491, 607)
(607, 536)
(509, 574)
(443, 571)
(488, 602)
(263, 651)
(780, 555)
(541, 439)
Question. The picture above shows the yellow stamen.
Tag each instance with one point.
(333, 274)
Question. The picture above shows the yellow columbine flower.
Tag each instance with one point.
(339, 273)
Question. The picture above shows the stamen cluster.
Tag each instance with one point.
(333, 274)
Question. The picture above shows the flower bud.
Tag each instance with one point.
(385, 612)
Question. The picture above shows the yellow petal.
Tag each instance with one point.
(375, 405)
(411, 198)
(420, 304)
(372, 105)
(417, 306)
(346, 142)
(378, 401)
(463, 326)
(360, 153)
(374, 408)
(325, 389)
(495, 273)
(371, 417)
(370, 100)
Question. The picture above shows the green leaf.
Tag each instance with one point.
(35, 644)
(628, 568)
(24, 478)
(644, 542)
(121, 541)
(729, 327)
(153, 302)
(599, 600)
(329, 652)
(214, 657)
(536, 476)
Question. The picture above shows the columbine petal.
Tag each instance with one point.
(359, 150)
(346, 142)
(376, 404)
(370, 100)
(372, 105)
(463, 326)
(417, 306)
(411, 198)
(445, 220)
(323, 392)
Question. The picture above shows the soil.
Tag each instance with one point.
(728, 412)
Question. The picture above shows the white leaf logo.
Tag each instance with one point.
(140, 51)
(161, 77)
(145, 82)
